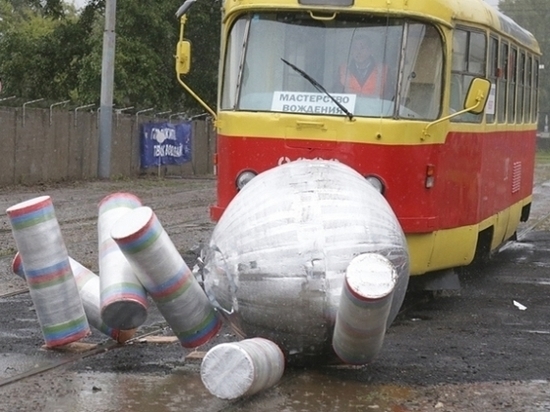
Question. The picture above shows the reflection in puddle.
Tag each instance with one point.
(101, 392)
(315, 391)
(183, 390)
(299, 391)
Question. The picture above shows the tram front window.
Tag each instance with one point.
(373, 67)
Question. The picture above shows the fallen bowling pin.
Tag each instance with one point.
(364, 308)
(232, 370)
(48, 272)
(123, 299)
(165, 275)
(88, 288)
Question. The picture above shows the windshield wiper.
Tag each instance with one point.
(319, 87)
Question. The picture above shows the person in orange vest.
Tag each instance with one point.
(363, 75)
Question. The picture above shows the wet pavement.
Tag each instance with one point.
(475, 350)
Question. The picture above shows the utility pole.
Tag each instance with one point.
(107, 80)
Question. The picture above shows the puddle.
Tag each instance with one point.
(317, 391)
(102, 392)
(330, 390)
(181, 390)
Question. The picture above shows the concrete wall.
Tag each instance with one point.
(52, 146)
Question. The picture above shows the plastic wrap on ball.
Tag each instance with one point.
(277, 258)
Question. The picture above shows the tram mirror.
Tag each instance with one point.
(477, 96)
(183, 57)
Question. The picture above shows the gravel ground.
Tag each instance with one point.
(180, 204)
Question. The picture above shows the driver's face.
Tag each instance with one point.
(360, 51)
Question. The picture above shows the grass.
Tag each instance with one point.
(543, 157)
(542, 167)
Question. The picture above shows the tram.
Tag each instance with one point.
(446, 131)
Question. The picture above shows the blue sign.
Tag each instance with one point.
(165, 144)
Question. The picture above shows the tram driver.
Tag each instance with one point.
(363, 75)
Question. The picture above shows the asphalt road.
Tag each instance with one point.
(475, 350)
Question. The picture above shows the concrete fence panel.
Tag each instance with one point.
(58, 145)
(8, 142)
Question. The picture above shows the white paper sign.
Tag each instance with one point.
(490, 108)
(315, 103)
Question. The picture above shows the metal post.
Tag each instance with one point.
(56, 104)
(25, 105)
(142, 111)
(77, 109)
(107, 80)
(119, 111)
(161, 113)
(175, 114)
(7, 98)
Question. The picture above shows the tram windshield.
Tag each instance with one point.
(375, 67)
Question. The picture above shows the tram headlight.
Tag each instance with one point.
(376, 182)
(244, 178)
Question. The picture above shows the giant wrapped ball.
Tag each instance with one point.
(276, 261)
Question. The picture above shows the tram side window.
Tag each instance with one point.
(233, 60)
(528, 88)
(492, 75)
(534, 112)
(502, 83)
(512, 80)
(521, 86)
(469, 54)
(422, 82)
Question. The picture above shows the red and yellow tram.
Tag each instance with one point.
(453, 157)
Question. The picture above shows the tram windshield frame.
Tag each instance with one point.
(407, 54)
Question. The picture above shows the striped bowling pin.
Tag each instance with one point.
(161, 269)
(123, 299)
(88, 288)
(48, 272)
(364, 308)
(232, 370)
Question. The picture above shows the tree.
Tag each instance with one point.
(534, 16)
(48, 51)
(203, 29)
(24, 63)
(39, 46)
(145, 65)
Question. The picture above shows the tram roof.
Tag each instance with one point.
(450, 12)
